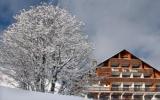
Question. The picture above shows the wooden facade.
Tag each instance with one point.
(125, 77)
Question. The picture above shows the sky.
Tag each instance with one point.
(9, 8)
(112, 25)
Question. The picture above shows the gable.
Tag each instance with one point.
(126, 55)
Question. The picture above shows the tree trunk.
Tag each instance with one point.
(53, 87)
(42, 86)
(61, 90)
(23, 86)
(53, 84)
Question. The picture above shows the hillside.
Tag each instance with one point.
(17, 94)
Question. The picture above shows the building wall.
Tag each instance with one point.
(125, 72)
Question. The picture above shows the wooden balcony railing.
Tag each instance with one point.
(100, 89)
(146, 70)
(104, 71)
(117, 79)
(125, 61)
(108, 71)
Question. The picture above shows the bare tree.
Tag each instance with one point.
(45, 45)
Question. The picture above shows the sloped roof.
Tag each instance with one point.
(132, 56)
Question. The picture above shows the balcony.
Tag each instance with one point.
(134, 62)
(114, 89)
(116, 69)
(126, 72)
(107, 71)
(117, 79)
(96, 89)
(104, 71)
(140, 70)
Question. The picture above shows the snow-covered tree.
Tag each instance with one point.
(45, 45)
(80, 80)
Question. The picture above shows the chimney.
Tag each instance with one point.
(94, 63)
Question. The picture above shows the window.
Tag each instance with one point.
(115, 75)
(138, 97)
(147, 75)
(115, 87)
(125, 56)
(158, 88)
(136, 76)
(114, 64)
(125, 64)
(137, 87)
(134, 70)
(125, 70)
(115, 97)
(135, 65)
(125, 75)
(125, 87)
(148, 87)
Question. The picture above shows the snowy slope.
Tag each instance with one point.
(5, 80)
(16, 94)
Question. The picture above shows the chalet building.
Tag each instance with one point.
(125, 77)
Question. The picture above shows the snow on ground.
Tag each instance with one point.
(17, 94)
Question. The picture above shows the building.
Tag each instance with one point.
(124, 77)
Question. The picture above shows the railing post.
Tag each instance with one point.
(142, 75)
(122, 96)
(120, 75)
(143, 87)
(131, 76)
(132, 96)
(132, 87)
(153, 97)
(121, 86)
(143, 98)
(110, 96)
(98, 96)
